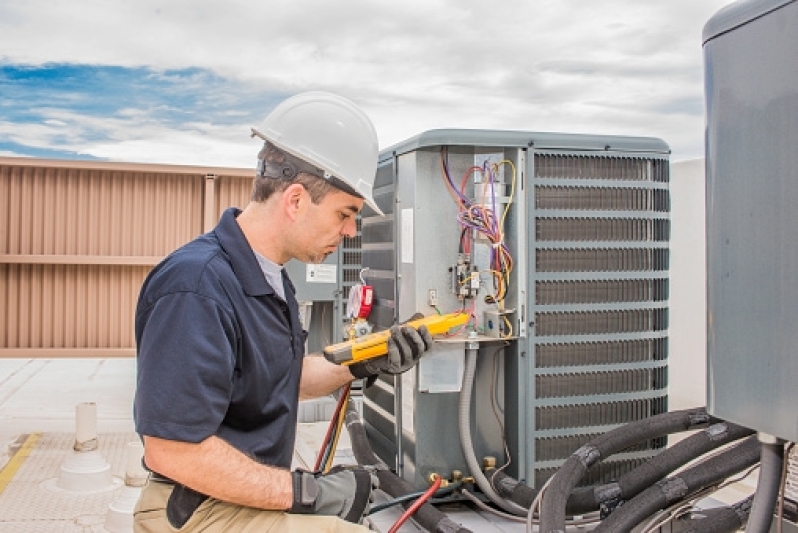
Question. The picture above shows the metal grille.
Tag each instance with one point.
(610, 232)
(595, 383)
(600, 353)
(601, 199)
(601, 260)
(599, 322)
(553, 448)
(601, 291)
(351, 263)
(613, 229)
(601, 168)
(598, 414)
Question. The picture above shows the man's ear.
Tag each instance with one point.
(292, 199)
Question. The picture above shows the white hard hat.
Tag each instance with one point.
(331, 133)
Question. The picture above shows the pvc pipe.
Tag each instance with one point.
(86, 427)
(767, 488)
(135, 473)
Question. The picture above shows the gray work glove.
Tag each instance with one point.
(343, 491)
(405, 347)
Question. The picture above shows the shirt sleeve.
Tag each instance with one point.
(186, 364)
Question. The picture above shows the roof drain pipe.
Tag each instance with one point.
(426, 516)
(767, 488)
(552, 513)
(464, 419)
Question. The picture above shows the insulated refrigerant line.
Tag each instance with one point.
(682, 485)
(658, 467)
(585, 500)
(726, 519)
(552, 514)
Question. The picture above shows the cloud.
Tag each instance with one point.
(205, 70)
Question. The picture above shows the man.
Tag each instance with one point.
(220, 347)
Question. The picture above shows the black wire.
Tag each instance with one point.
(413, 496)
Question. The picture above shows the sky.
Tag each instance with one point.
(182, 82)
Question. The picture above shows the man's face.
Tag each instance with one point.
(321, 227)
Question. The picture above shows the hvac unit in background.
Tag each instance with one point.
(323, 291)
(571, 325)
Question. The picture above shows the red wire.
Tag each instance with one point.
(333, 423)
(416, 504)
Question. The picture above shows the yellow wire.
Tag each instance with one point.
(509, 327)
(512, 191)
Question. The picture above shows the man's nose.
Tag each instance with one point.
(350, 227)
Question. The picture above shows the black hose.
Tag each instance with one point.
(633, 483)
(512, 489)
(674, 489)
(767, 489)
(726, 519)
(552, 515)
(426, 516)
(588, 499)
(412, 497)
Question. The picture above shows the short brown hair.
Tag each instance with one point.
(265, 186)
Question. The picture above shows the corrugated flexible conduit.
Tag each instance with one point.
(552, 514)
(464, 424)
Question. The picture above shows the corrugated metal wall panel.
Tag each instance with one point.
(232, 190)
(55, 211)
(68, 306)
(78, 238)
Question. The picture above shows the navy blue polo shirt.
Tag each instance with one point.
(218, 352)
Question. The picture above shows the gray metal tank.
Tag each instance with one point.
(751, 73)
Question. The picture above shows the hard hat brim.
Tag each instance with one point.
(361, 194)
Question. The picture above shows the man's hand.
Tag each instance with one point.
(343, 491)
(405, 347)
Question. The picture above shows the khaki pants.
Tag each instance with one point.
(214, 516)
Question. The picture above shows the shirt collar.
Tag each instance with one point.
(241, 255)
